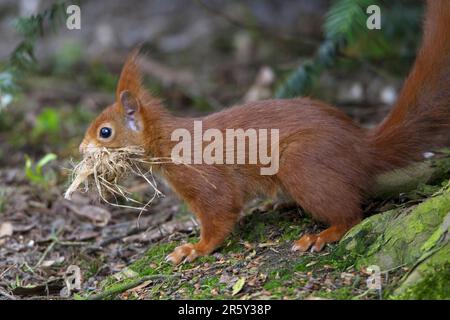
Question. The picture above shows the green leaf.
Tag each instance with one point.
(237, 287)
(347, 19)
(46, 159)
(35, 174)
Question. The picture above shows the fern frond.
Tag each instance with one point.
(346, 19)
(344, 26)
(33, 27)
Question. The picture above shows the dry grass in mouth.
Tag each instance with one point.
(106, 167)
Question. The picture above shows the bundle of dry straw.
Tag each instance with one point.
(105, 168)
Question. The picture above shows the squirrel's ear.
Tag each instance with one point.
(130, 77)
(130, 105)
(129, 91)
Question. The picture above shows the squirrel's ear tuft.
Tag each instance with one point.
(130, 77)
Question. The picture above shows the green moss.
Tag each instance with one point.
(207, 285)
(262, 227)
(154, 257)
(151, 263)
(291, 232)
(281, 283)
(273, 284)
(437, 236)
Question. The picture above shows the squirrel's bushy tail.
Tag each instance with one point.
(420, 119)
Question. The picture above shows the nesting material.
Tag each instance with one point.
(104, 169)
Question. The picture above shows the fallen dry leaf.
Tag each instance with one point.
(6, 229)
(99, 216)
(49, 263)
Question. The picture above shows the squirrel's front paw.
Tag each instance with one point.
(183, 253)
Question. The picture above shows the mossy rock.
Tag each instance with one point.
(414, 237)
(400, 236)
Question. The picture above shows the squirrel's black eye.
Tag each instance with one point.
(105, 132)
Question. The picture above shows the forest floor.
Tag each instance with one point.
(87, 250)
(54, 239)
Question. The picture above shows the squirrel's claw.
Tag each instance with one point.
(182, 254)
(306, 242)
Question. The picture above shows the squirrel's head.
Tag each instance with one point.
(122, 123)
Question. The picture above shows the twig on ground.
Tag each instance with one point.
(55, 240)
(130, 285)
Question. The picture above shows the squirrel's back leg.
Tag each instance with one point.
(323, 190)
(333, 205)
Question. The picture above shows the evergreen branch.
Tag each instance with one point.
(345, 25)
(22, 58)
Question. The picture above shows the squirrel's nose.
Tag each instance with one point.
(87, 147)
(82, 148)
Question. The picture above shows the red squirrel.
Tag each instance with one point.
(327, 163)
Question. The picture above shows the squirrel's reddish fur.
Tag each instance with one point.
(327, 162)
